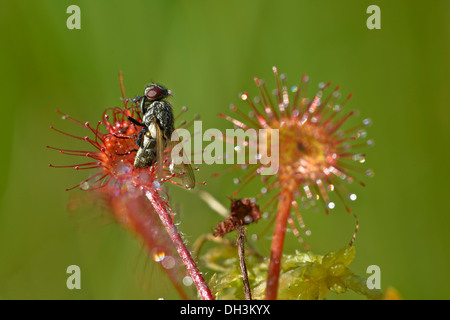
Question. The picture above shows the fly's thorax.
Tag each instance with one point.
(148, 117)
(161, 111)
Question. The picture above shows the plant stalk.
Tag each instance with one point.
(241, 252)
(276, 250)
(160, 208)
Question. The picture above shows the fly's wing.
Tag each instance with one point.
(183, 170)
(159, 150)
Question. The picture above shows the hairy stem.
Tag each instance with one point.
(276, 250)
(184, 253)
(139, 216)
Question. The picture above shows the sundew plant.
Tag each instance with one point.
(317, 143)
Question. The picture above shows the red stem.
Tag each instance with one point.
(184, 253)
(140, 216)
(276, 250)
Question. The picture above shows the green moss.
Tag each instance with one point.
(303, 276)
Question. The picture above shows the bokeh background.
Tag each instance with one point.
(207, 52)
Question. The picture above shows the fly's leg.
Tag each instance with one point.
(127, 153)
(135, 122)
(140, 138)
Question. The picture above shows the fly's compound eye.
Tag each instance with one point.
(156, 92)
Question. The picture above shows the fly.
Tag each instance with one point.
(155, 136)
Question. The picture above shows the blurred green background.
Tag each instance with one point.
(207, 52)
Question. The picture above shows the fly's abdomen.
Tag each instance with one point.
(146, 156)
